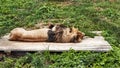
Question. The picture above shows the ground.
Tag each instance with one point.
(87, 15)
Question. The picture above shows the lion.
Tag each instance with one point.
(54, 33)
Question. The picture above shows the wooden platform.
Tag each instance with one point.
(93, 44)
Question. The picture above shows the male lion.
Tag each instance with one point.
(54, 33)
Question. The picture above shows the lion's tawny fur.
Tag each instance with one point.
(20, 34)
(59, 33)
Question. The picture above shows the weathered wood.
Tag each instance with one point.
(93, 44)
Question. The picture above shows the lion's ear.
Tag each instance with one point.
(74, 29)
(50, 26)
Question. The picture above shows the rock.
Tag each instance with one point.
(93, 44)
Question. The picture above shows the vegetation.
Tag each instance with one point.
(87, 15)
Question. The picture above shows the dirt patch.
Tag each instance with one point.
(66, 3)
(62, 3)
(13, 54)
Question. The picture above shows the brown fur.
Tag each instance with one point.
(64, 34)
(58, 33)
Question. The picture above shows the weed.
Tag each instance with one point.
(86, 15)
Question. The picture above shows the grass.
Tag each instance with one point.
(87, 15)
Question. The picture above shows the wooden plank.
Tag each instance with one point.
(93, 44)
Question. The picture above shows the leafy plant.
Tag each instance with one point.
(86, 15)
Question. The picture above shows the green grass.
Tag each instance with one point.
(87, 15)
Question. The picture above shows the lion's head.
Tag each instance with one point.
(66, 35)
